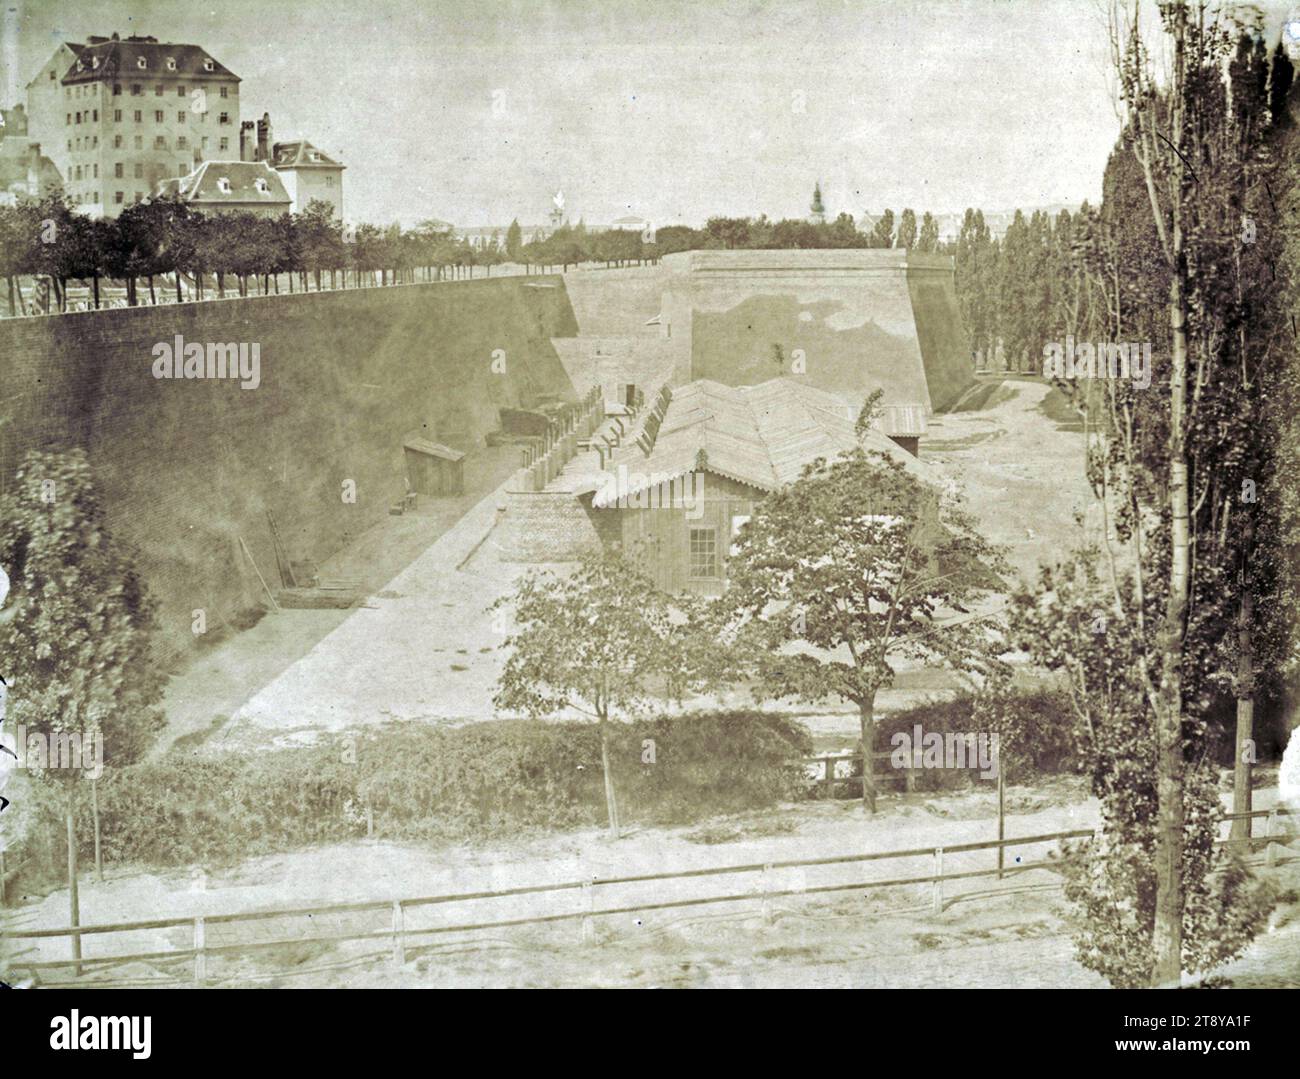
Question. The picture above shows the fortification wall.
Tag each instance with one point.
(186, 468)
(855, 319)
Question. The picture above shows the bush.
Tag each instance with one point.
(1033, 724)
(480, 781)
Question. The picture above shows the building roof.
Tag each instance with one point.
(761, 436)
(301, 154)
(203, 185)
(121, 60)
(902, 421)
(74, 46)
(432, 449)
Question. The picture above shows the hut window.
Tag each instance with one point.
(704, 552)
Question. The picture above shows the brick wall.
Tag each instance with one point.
(186, 468)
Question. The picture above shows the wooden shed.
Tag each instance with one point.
(433, 469)
(681, 491)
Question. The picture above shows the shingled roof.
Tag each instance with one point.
(301, 154)
(203, 185)
(761, 436)
(121, 60)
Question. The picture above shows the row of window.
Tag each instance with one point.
(91, 116)
(91, 197)
(142, 62)
(92, 90)
(160, 142)
(91, 172)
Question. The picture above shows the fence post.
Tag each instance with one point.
(399, 941)
(1002, 821)
(588, 905)
(765, 883)
(830, 778)
(200, 954)
(1270, 851)
(938, 880)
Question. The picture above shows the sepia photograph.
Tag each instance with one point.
(608, 494)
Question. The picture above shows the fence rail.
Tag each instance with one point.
(398, 932)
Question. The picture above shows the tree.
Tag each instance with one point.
(55, 240)
(1161, 127)
(728, 232)
(855, 561)
(906, 230)
(77, 649)
(882, 232)
(514, 240)
(928, 240)
(1185, 553)
(1071, 624)
(321, 238)
(976, 271)
(14, 245)
(598, 640)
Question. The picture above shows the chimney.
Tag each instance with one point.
(264, 138)
(245, 151)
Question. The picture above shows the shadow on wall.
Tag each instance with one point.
(189, 468)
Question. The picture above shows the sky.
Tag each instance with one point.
(477, 111)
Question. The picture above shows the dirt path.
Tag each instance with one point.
(1020, 473)
(887, 936)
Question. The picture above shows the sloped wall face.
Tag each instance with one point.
(850, 318)
(945, 349)
(188, 467)
(616, 302)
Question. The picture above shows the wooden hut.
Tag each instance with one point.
(433, 469)
(676, 496)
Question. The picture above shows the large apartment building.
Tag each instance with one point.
(125, 114)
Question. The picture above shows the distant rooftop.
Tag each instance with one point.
(761, 436)
(301, 154)
(143, 58)
(231, 182)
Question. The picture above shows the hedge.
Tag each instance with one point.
(417, 782)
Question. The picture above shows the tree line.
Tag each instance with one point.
(1181, 607)
(164, 243)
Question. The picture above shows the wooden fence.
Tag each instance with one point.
(397, 934)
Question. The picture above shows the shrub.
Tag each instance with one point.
(1036, 734)
(480, 781)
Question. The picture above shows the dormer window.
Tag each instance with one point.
(315, 156)
(141, 63)
(262, 185)
(223, 185)
(94, 63)
(81, 66)
(171, 63)
(208, 65)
